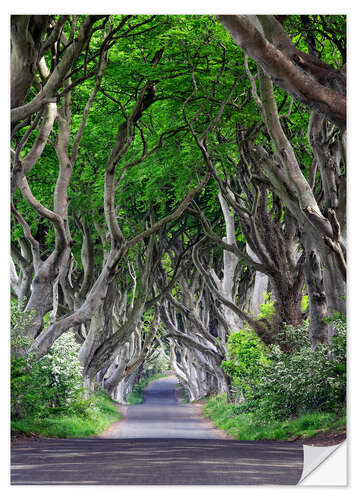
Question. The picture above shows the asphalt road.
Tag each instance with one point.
(162, 416)
(179, 448)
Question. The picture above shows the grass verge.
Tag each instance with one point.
(248, 427)
(93, 417)
(136, 396)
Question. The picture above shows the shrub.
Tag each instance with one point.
(46, 386)
(249, 426)
(294, 338)
(246, 351)
(20, 321)
(86, 418)
(298, 380)
(56, 379)
(267, 310)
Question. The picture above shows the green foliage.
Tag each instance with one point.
(275, 383)
(20, 321)
(86, 418)
(267, 310)
(250, 427)
(48, 385)
(299, 379)
(47, 397)
(304, 303)
(328, 33)
(336, 316)
(156, 366)
(246, 350)
(294, 338)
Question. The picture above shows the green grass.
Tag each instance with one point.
(249, 427)
(136, 396)
(91, 418)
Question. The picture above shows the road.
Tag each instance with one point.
(162, 416)
(160, 442)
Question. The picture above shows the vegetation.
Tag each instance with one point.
(49, 385)
(156, 366)
(250, 427)
(47, 396)
(84, 419)
(282, 395)
(178, 197)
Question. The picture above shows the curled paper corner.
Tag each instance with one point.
(325, 465)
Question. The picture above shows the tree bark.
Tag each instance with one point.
(295, 72)
(318, 328)
(26, 37)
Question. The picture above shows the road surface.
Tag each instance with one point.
(160, 442)
(162, 416)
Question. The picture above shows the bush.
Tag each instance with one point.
(46, 386)
(267, 310)
(47, 397)
(246, 351)
(57, 377)
(249, 426)
(299, 380)
(87, 418)
(20, 321)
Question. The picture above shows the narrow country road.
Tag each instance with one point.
(160, 442)
(161, 416)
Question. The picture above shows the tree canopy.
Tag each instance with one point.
(170, 174)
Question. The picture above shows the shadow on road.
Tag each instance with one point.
(156, 461)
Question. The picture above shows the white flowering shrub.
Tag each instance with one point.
(49, 385)
(59, 373)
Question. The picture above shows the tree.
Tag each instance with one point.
(305, 77)
(160, 181)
